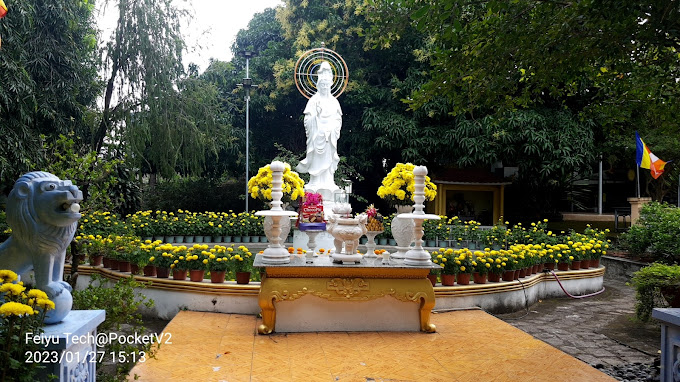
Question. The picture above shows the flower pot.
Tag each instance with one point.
(134, 269)
(479, 278)
(113, 264)
(254, 239)
(382, 241)
(79, 258)
(263, 239)
(585, 264)
(431, 243)
(494, 277)
(402, 231)
(189, 239)
(448, 280)
(227, 239)
(242, 277)
(246, 239)
(124, 266)
(432, 278)
(391, 242)
(562, 266)
(550, 266)
(149, 238)
(179, 274)
(106, 262)
(463, 278)
(575, 265)
(217, 277)
(157, 237)
(198, 239)
(595, 263)
(179, 239)
(96, 261)
(508, 275)
(516, 274)
(237, 239)
(537, 268)
(169, 239)
(196, 275)
(207, 239)
(218, 239)
(149, 271)
(522, 273)
(162, 273)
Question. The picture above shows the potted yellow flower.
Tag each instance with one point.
(260, 187)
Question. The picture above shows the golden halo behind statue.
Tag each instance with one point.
(308, 64)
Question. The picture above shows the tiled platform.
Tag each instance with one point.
(468, 346)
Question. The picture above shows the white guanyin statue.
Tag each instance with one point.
(323, 120)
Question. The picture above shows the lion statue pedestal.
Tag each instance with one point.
(43, 212)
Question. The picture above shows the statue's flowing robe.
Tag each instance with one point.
(323, 121)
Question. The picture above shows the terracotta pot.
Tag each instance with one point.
(508, 275)
(585, 264)
(162, 273)
(196, 275)
(179, 274)
(562, 266)
(106, 261)
(494, 277)
(576, 264)
(149, 271)
(463, 278)
(134, 269)
(113, 264)
(479, 278)
(79, 258)
(242, 277)
(448, 280)
(516, 274)
(432, 278)
(538, 268)
(595, 263)
(124, 266)
(550, 266)
(522, 273)
(96, 261)
(217, 277)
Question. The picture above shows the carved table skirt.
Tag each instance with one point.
(330, 297)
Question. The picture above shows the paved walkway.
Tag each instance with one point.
(596, 330)
(468, 346)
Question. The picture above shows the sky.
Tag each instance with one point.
(212, 30)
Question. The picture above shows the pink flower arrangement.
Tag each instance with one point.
(312, 199)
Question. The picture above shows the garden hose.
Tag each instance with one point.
(569, 294)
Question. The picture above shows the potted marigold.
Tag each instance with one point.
(480, 267)
(162, 259)
(196, 261)
(463, 266)
(218, 263)
(240, 263)
(445, 259)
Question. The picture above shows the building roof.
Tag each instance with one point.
(468, 177)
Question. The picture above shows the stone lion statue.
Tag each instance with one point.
(43, 212)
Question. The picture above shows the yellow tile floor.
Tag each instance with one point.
(468, 346)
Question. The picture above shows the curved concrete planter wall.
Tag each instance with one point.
(171, 296)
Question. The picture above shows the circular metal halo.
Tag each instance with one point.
(306, 67)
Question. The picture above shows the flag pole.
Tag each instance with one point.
(638, 180)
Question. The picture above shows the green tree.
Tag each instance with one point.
(48, 78)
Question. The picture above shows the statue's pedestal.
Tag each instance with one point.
(72, 343)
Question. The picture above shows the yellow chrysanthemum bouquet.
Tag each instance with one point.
(21, 312)
(399, 186)
(260, 185)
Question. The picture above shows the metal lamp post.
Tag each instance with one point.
(247, 85)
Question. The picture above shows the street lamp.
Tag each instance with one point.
(247, 85)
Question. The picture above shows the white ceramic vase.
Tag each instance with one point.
(402, 231)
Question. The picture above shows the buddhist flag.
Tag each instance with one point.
(645, 158)
(3, 9)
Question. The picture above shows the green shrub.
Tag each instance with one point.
(647, 282)
(657, 232)
(122, 308)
